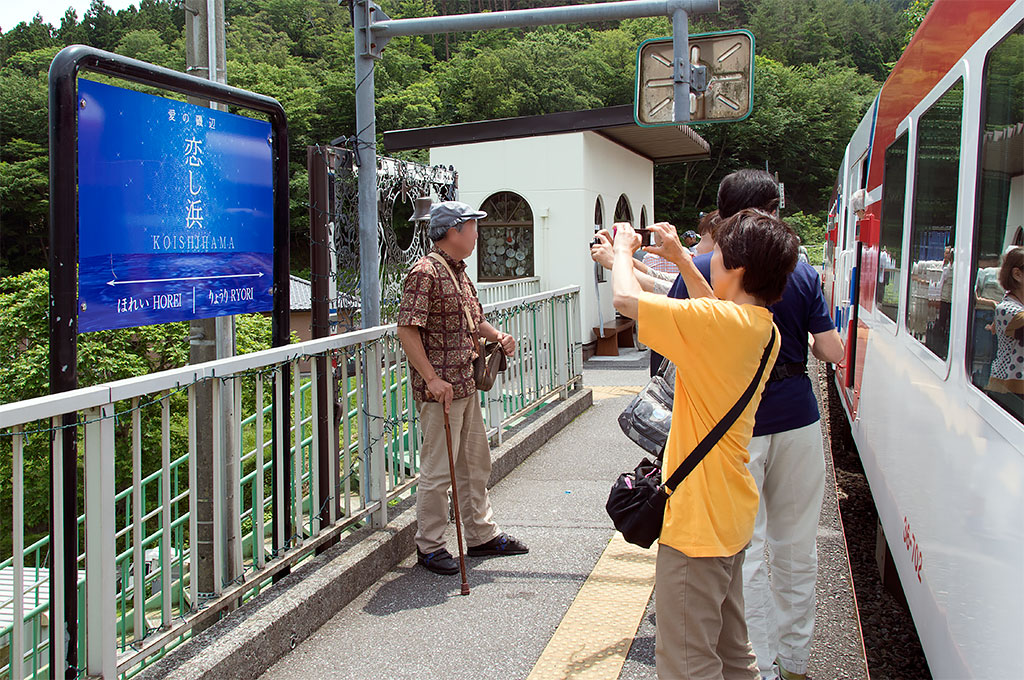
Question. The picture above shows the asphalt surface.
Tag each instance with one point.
(414, 624)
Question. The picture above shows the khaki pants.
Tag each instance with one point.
(702, 634)
(472, 455)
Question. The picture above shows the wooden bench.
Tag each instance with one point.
(615, 334)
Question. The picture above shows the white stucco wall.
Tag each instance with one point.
(561, 177)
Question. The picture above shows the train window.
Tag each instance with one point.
(995, 336)
(894, 190)
(932, 226)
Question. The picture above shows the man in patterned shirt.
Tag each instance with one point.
(436, 318)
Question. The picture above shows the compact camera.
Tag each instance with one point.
(645, 238)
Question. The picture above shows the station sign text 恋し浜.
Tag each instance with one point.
(175, 210)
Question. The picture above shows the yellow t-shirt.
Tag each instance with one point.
(717, 347)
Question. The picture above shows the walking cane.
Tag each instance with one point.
(455, 501)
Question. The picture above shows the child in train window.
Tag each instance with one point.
(1008, 327)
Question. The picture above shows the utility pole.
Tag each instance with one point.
(373, 28)
(211, 339)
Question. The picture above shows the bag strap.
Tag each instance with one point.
(458, 287)
(719, 430)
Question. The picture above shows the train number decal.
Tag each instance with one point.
(909, 540)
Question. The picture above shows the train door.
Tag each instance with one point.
(832, 249)
(848, 265)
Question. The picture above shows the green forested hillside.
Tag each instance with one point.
(820, 63)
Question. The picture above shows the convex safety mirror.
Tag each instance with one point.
(728, 58)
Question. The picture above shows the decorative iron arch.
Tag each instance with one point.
(505, 238)
(398, 182)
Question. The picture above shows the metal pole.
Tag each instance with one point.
(373, 30)
(545, 16)
(64, 356)
(681, 66)
(366, 160)
(319, 209)
(212, 339)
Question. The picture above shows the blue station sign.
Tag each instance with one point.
(175, 210)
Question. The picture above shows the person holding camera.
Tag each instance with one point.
(720, 334)
(436, 334)
(787, 457)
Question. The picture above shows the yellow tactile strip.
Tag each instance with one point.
(609, 391)
(596, 632)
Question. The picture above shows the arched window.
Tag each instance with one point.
(643, 216)
(505, 240)
(623, 213)
(598, 214)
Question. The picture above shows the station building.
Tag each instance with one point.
(546, 183)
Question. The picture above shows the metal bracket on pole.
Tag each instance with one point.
(371, 45)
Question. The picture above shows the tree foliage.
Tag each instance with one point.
(821, 57)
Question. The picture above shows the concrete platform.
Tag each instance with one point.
(413, 624)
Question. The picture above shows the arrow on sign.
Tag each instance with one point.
(114, 282)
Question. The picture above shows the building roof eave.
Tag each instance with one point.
(660, 144)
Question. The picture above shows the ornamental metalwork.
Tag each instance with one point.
(400, 242)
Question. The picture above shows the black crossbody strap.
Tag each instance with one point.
(711, 438)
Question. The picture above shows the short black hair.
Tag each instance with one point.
(764, 246)
(747, 188)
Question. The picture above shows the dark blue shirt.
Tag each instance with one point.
(788, 403)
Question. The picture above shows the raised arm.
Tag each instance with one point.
(650, 280)
(625, 287)
(672, 250)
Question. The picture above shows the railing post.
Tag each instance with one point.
(372, 452)
(562, 345)
(258, 527)
(58, 563)
(217, 491)
(296, 470)
(166, 560)
(281, 467)
(193, 499)
(100, 602)
(316, 472)
(494, 410)
(16, 656)
(138, 554)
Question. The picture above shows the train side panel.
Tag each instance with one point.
(945, 463)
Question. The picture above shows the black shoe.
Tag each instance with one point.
(502, 544)
(439, 561)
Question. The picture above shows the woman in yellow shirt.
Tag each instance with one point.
(717, 338)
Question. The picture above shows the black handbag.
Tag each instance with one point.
(636, 503)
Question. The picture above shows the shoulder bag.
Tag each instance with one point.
(648, 417)
(636, 503)
(490, 357)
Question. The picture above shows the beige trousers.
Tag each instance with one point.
(472, 455)
(702, 633)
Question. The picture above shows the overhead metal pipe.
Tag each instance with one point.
(544, 16)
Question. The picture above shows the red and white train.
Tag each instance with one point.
(937, 164)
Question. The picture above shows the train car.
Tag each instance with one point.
(928, 202)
